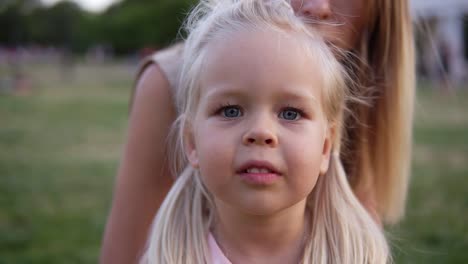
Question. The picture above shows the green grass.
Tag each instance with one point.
(435, 229)
(60, 145)
(59, 148)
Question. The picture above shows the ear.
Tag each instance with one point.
(190, 147)
(327, 148)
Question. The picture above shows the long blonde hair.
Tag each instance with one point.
(378, 135)
(341, 230)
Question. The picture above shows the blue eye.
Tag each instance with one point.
(290, 114)
(231, 112)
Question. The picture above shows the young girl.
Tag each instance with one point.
(378, 36)
(261, 101)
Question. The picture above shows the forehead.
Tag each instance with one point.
(257, 58)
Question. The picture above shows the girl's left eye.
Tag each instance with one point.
(231, 111)
(290, 114)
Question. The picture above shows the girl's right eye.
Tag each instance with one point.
(231, 111)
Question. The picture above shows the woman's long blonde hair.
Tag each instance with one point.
(341, 230)
(378, 135)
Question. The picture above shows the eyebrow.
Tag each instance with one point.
(221, 91)
(298, 94)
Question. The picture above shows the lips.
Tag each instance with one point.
(258, 167)
(259, 173)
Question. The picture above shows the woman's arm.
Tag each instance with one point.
(143, 178)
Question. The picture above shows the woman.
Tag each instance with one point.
(378, 36)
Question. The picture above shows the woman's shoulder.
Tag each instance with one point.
(158, 74)
(168, 60)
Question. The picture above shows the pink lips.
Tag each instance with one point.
(259, 173)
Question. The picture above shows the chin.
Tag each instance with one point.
(264, 207)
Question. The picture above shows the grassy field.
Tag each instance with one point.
(60, 145)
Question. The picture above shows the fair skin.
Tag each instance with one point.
(143, 178)
(260, 140)
(342, 21)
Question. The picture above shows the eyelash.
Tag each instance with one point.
(298, 110)
(223, 106)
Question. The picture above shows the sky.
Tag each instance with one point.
(91, 5)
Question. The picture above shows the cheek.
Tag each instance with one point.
(304, 157)
(304, 179)
(212, 141)
(305, 143)
(215, 153)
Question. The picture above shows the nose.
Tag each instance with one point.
(315, 9)
(261, 134)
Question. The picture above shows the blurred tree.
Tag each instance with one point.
(56, 25)
(12, 20)
(133, 24)
(127, 26)
(26, 21)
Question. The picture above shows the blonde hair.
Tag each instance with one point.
(341, 230)
(378, 135)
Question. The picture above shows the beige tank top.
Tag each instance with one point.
(169, 61)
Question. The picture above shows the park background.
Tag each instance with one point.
(65, 79)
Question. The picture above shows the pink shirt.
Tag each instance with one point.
(217, 256)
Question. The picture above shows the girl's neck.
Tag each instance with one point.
(276, 238)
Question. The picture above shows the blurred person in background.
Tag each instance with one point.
(377, 34)
(19, 82)
(440, 35)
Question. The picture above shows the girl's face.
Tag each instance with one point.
(259, 136)
(343, 20)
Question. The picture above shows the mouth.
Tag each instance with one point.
(259, 173)
(258, 167)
